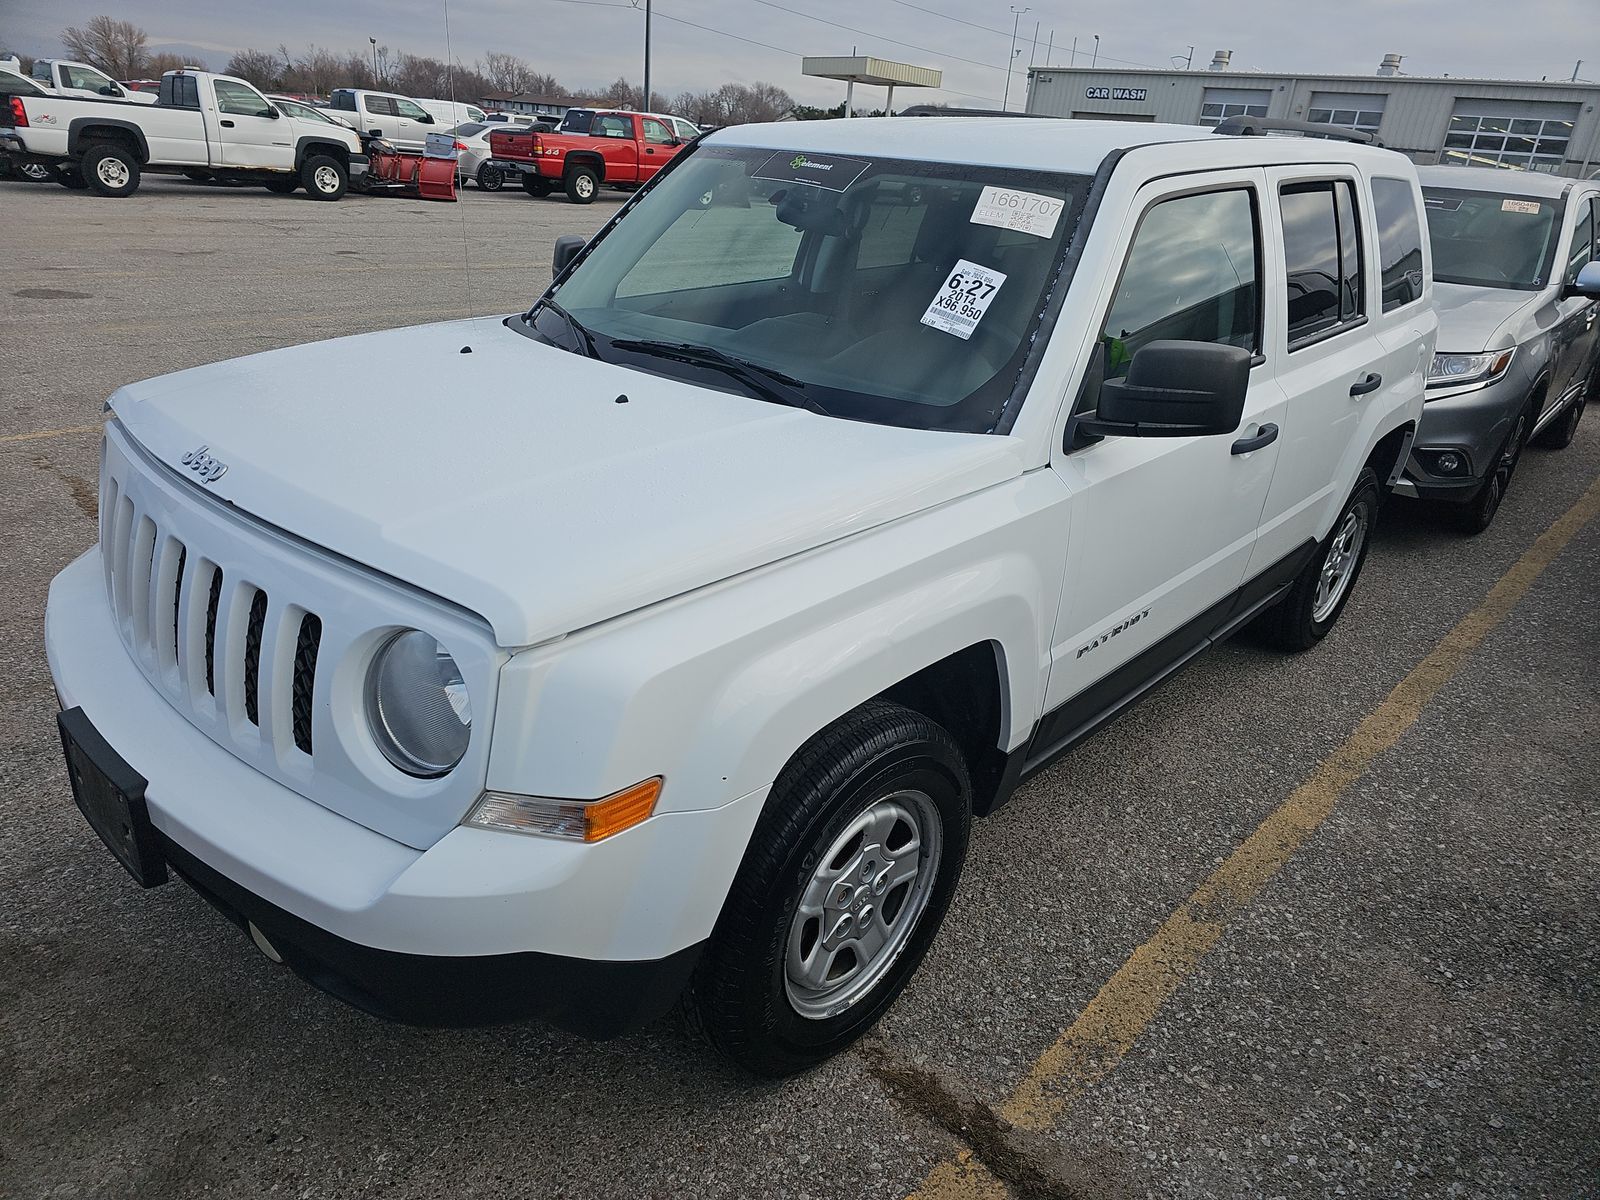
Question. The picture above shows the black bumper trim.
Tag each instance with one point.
(592, 998)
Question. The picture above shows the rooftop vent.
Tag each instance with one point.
(1219, 59)
(1390, 64)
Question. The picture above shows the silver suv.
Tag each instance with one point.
(1518, 339)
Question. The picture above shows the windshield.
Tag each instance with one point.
(904, 293)
(1484, 239)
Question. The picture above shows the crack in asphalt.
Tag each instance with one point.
(990, 1137)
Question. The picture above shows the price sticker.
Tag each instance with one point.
(1520, 206)
(966, 295)
(1026, 212)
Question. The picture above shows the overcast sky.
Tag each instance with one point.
(591, 42)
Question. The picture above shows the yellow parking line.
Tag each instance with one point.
(41, 434)
(1096, 1042)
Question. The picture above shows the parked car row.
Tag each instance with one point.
(871, 466)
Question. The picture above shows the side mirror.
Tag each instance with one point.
(1174, 389)
(568, 247)
(426, 118)
(1587, 284)
(272, 112)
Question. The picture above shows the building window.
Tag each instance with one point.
(1222, 103)
(1517, 143)
(1360, 111)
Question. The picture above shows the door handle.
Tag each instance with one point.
(1265, 437)
(1371, 383)
(226, 124)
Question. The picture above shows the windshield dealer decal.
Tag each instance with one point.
(1026, 212)
(827, 171)
(1520, 206)
(966, 295)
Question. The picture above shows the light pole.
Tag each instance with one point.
(1096, 57)
(1016, 16)
(374, 42)
(646, 103)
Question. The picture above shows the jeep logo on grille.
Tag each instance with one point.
(209, 469)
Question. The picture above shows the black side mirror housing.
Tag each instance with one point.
(1587, 284)
(1174, 389)
(568, 247)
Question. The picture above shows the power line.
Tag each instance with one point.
(878, 36)
(1127, 62)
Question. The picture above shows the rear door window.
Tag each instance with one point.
(1394, 204)
(1322, 252)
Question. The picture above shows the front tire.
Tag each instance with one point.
(843, 886)
(1316, 598)
(111, 170)
(324, 177)
(1478, 513)
(582, 185)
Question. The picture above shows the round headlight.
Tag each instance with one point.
(417, 705)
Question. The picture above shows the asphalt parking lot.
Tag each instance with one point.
(1323, 925)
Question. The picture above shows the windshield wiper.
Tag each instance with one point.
(585, 338)
(765, 382)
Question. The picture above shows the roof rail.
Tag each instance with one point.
(1261, 126)
(939, 110)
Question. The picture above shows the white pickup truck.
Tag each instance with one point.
(857, 470)
(202, 122)
(68, 78)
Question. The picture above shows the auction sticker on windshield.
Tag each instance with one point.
(1520, 206)
(964, 298)
(827, 171)
(1026, 212)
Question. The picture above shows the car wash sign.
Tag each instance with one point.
(1113, 93)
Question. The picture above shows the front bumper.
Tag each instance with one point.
(1473, 424)
(499, 923)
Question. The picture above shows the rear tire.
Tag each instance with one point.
(536, 186)
(1303, 617)
(110, 169)
(324, 177)
(283, 186)
(582, 185)
(490, 179)
(861, 844)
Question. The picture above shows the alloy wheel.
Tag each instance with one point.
(1339, 565)
(861, 903)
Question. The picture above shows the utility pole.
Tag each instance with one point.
(1016, 16)
(1189, 64)
(1049, 51)
(1576, 69)
(1033, 54)
(374, 42)
(646, 104)
(1096, 57)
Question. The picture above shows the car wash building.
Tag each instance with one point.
(1522, 125)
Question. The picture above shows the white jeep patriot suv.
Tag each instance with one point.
(851, 474)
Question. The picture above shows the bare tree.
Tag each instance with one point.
(158, 65)
(261, 67)
(507, 73)
(116, 47)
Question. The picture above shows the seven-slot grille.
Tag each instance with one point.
(208, 637)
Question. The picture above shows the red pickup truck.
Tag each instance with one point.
(621, 149)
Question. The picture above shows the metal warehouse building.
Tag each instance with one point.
(1533, 125)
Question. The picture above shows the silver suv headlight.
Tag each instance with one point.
(417, 705)
(1457, 370)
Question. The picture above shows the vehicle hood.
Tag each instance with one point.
(511, 481)
(1472, 319)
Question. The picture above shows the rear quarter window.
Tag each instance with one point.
(1394, 204)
